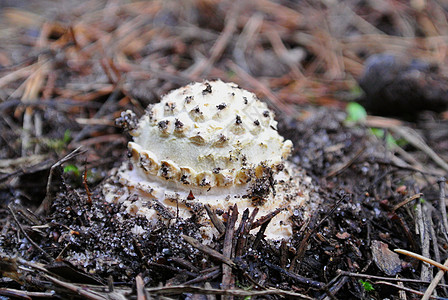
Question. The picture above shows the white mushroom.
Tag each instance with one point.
(210, 143)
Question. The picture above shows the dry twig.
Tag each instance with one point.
(46, 255)
(434, 282)
(207, 250)
(215, 220)
(422, 258)
(46, 203)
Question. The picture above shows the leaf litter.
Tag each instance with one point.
(77, 66)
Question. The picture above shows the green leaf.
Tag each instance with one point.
(379, 133)
(59, 144)
(367, 286)
(401, 142)
(72, 168)
(390, 140)
(67, 136)
(355, 92)
(355, 112)
(55, 144)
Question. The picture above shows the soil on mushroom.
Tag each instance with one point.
(77, 239)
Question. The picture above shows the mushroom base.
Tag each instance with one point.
(288, 190)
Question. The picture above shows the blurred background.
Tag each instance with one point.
(290, 52)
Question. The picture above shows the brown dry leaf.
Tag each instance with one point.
(8, 268)
(385, 259)
(402, 189)
(343, 235)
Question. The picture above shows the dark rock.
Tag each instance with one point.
(401, 86)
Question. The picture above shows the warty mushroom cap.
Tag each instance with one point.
(218, 143)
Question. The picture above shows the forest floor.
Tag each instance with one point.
(69, 68)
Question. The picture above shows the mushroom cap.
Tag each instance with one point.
(210, 143)
(207, 134)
